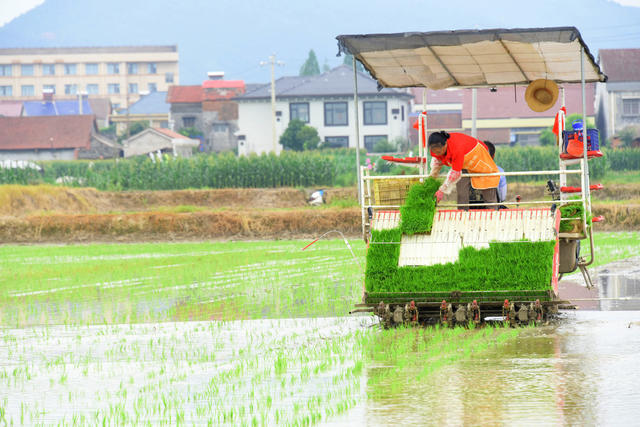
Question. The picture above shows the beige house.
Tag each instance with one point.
(158, 140)
(120, 73)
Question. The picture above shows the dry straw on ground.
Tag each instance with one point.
(32, 214)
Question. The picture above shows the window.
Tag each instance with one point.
(6, 90)
(370, 141)
(70, 89)
(70, 69)
(28, 90)
(299, 111)
(115, 107)
(49, 88)
(113, 88)
(152, 87)
(5, 70)
(48, 69)
(133, 87)
(113, 68)
(335, 114)
(92, 89)
(26, 69)
(375, 113)
(91, 68)
(151, 67)
(132, 68)
(631, 107)
(168, 77)
(336, 141)
(188, 122)
(220, 127)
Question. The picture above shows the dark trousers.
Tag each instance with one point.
(490, 195)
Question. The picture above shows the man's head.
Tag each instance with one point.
(438, 143)
(491, 148)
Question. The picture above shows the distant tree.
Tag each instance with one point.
(134, 128)
(298, 137)
(348, 60)
(310, 66)
(325, 66)
(627, 135)
(383, 146)
(191, 132)
(547, 137)
(109, 130)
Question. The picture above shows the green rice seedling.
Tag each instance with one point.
(419, 208)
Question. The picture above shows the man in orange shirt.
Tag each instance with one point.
(463, 153)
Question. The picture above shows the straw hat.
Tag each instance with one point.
(541, 94)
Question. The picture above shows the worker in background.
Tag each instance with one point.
(464, 154)
(502, 186)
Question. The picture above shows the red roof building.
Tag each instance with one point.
(210, 109)
(53, 137)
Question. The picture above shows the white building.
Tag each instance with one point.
(618, 100)
(326, 103)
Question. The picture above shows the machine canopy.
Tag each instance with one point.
(468, 58)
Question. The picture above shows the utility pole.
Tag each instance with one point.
(273, 62)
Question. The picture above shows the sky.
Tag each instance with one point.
(10, 9)
(290, 28)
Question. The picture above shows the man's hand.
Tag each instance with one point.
(439, 196)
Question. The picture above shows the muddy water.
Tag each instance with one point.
(580, 370)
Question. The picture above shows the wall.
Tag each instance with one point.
(99, 150)
(165, 58)
(255, 121)
(38, 155)
(145, 142)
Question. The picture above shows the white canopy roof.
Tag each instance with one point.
(468, 58)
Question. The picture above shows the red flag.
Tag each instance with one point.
(556, 124)
(422, 116)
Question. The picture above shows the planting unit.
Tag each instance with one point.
(452, 264)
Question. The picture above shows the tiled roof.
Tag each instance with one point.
(620, 65)
(10, 108)
(224, 84)
(335, 82)
(101, 107)
(153, 103)
(184, 94)
(170, 133)
(56, 108)
(30, 133)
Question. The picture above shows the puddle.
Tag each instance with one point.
(616, 287)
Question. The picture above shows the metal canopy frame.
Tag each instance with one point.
(472, 58)
(385, 56)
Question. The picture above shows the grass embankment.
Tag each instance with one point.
(32, 214)
(40, 214)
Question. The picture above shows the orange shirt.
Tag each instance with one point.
(466, 152)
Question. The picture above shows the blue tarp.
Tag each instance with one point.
(55, 108)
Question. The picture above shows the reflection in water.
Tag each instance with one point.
(614, 288)
(580, 371)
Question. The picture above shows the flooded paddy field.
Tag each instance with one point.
(255, 333)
